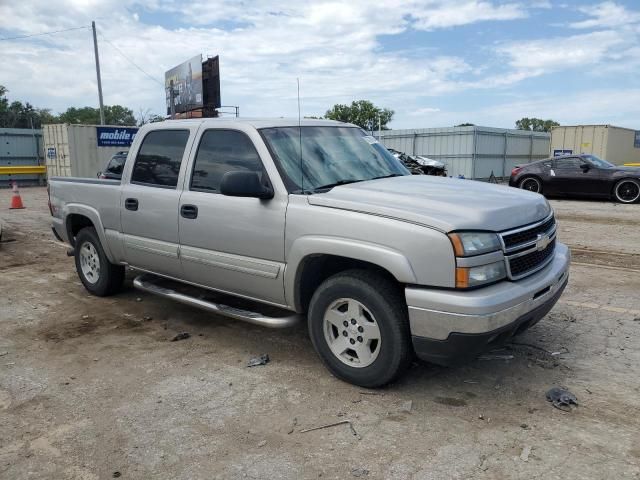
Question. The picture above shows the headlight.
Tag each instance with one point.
(467, 277)
(467, 244)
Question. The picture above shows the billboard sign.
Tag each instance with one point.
(559, 153)
(186, 79)
(636, 139)
(115, 136)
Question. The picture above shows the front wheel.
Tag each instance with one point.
(99, 276)
(627, 191)
(532, 184)
(359, 327)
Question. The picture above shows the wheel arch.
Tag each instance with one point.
(313, 260)
(78, 217)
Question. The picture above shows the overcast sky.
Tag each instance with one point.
(435, 62)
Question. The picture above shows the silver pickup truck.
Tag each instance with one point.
(272, 221)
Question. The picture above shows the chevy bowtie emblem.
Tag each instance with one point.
(543, 241)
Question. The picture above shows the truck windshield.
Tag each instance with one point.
(315, 159)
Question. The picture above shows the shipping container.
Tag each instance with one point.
(474, 151)
(616, 144)
(20, 147)
(83, 150)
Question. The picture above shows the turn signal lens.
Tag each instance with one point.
(474, 276)
(462, 277)
(515, 171)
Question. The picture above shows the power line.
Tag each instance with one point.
(131, 61)
(43, 33)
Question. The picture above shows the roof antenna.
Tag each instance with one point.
(300, 137)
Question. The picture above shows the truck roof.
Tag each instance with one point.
(262, 122)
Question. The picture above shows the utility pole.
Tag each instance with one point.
(379, 129)
(95, 49)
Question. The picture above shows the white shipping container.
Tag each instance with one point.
(616, 144)
(73, 151)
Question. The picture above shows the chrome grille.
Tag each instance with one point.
(530, 248)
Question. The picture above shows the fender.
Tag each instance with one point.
(385, 257)
(93, 215)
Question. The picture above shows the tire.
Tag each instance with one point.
(531, 184)
(372, 301)
(627, 191)
(99, 276)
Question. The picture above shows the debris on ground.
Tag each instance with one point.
(526, 451)
(139, 299)
(181, 336)
(406, 406)
(261, 360)
(116, 475)
(262, 443)
(335, 424)
(492, 356)
(293, 425)
(363, 392)
(146, 318)
(561, 398)
(359, 472)
(2, 354)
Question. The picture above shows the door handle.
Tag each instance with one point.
(131, 204)
(189, 211)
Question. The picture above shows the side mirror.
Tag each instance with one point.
(585, 167)
(245, 184)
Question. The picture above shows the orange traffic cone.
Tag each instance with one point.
(16, 201)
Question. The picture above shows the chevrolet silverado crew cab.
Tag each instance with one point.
(273, 221)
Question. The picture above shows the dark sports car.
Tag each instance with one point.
(579, 176)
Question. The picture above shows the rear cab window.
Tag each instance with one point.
(159, 158)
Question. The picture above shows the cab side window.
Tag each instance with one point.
(570, 163)
(116, 164)
(159, 158)
(219, 152)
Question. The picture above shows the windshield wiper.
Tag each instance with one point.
(388, 176)
(336, 184)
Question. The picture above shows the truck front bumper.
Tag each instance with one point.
(449, 327)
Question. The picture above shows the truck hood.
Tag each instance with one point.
(446, 204)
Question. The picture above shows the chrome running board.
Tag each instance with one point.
(146, 283)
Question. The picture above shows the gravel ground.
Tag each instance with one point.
(93, 388)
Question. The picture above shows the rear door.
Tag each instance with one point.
(149, 202)
(231, 244)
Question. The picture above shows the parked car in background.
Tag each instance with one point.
(224, 214)
(113, 170)
(419, 165)
(579, 176)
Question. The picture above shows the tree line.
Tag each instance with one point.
(15, 114)
(360, 112)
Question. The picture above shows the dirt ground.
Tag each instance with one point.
(93, 388)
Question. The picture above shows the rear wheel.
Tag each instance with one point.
(99, 276)
(359, 326)
(532, 184)
(627, 191)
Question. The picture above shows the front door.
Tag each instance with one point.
(232, 244)
(149, 203)
(569, 178)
